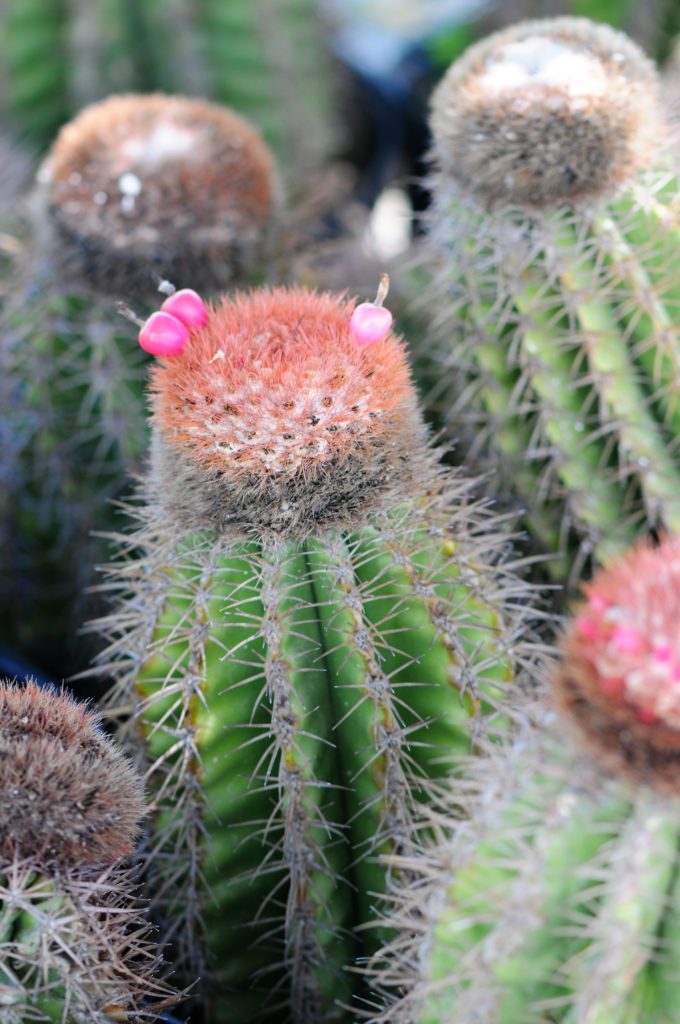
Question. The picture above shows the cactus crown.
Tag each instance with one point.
(620, 676)
(545, 112)
(162, 179)
(70, 798)
(277, 416)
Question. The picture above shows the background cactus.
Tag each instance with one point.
(555, 255)
(267, 59)
(136, 189)
(74, 944)
(557, 899)
(309, 613)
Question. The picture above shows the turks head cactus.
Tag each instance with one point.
(558, 899)
(310, 612)
(136, 189)
(555, 255)
(74, 944)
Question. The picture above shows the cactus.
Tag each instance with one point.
(310, 611)
(555, 243)
(136, 188)
(74, 945)
(557, 900)
(267, 59)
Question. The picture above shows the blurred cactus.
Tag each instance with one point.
(557, 899)
(136, 189)
(554, 241)
(265, 58)
(74, 945)
(310, 612)
(164, 185)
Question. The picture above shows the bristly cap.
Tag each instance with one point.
(547, 112)
(278, 415)
(619, 679)
(138, 185)
(69, 798)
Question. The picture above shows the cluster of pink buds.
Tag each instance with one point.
(166, 333)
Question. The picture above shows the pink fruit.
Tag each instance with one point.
(163, 335)
(188, 307)
(370, 323)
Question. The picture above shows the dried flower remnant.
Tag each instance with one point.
(143, 184)
(620, 676)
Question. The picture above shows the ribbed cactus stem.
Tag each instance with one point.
(638, 875)
(311, 622)
(551, 902)
(555, 899)
(554, 238)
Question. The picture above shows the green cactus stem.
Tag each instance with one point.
(555, 244)
(555, 902)
(74, 942)
(551, 892)
(310, 613)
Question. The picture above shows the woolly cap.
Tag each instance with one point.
(69, 798)
(143, 184)
(619, 680)
(546, 112)
(277, 416)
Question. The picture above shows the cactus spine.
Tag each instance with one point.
(557, 900)
(136, 189)
(555, 242)
(314, 612)
(74, 941)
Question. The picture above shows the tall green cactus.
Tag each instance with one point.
(136, 187)
(74, 944)
(310, 613)
(557, 899)
(554, 240)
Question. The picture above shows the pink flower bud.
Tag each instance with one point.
(188, 307)
(370, 323)
(163, 335)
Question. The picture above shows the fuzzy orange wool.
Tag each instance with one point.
(275, 383)
(620, 676)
